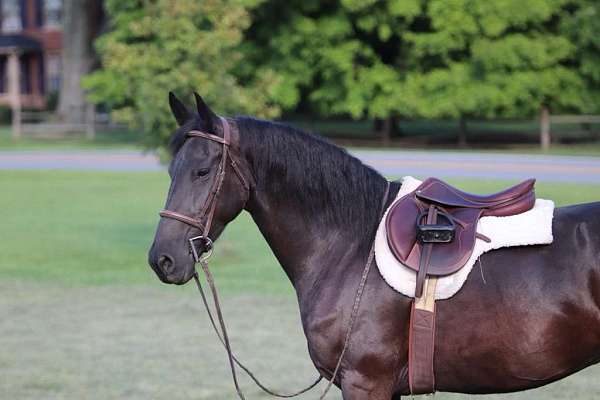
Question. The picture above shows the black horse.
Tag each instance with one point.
(534, 320)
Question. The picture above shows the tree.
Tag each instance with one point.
(582, 27)
(433, 59)
(81, 20)
(180, 45)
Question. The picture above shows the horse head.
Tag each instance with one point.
(210, 185)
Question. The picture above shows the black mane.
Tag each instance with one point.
(318, 176)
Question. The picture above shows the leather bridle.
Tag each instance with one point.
(205, 219)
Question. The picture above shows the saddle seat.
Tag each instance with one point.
(511, 201)
(440, 207)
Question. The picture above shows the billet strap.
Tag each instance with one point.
(421, 341)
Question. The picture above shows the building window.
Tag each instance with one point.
(53, 64)
(52, 13)
(11, 16)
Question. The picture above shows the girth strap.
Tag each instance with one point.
(421, 337)
(421, 341)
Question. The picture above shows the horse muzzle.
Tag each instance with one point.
(170, 269)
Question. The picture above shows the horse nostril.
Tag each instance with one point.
(166, 263)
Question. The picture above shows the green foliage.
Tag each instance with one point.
(363, 58)
(433, 59)
(582, 27)
(181, 45)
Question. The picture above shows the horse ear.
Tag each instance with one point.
(206, 114)
(179, 110)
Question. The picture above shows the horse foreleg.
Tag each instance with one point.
(356, 386)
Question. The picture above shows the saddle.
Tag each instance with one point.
(433, 231)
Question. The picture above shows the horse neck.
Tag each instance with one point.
(306, 245)
(305, 249)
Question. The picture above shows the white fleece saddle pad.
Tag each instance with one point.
(529, 228)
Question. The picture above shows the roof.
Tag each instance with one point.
(21, 42)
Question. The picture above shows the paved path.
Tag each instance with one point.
(484, 165)
(391, 163)
(83, 160)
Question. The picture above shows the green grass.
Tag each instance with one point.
(95, 228)
(109, 139)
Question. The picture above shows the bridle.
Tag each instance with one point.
(201, 257)
(208, 212)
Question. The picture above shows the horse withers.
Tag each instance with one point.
(533, 320)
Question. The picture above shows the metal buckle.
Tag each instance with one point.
(436, 233)
(208, 245)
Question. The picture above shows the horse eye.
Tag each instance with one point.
(201, 172)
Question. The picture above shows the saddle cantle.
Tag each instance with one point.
(433, 231)
(450, 207)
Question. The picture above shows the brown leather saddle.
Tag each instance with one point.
(433, 231)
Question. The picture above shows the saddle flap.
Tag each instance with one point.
(446, 258)
(401, 227)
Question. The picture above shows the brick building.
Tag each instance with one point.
(30, 51)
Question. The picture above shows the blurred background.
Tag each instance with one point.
(482, 93)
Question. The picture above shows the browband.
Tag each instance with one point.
(210, 136)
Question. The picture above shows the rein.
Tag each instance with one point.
(201, 257)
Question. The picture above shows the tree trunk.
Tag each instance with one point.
(388, 130)
(462, 132)
(545, 128)
(81, 20)
(14, 92)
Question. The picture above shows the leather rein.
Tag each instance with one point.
(201, 257)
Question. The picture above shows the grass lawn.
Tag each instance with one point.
(83, 316)
(103, 140)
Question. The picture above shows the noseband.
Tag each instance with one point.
(208, 211)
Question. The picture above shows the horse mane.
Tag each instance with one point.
(299, 168)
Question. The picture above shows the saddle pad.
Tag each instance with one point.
(529, 228)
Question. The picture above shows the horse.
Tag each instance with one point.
(534, 319)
